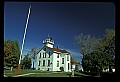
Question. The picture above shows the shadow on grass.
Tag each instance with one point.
(79, 75)
(108, 75)
(94, 75)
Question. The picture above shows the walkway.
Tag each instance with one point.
(23, 75)
(26, 74)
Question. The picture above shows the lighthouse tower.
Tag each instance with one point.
(48, 42)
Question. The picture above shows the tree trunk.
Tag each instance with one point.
(98, 74)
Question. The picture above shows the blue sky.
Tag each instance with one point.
(61, 20)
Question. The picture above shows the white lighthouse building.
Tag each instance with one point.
(52, 59)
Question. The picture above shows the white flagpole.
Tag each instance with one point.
(18, 71)
(25, 34)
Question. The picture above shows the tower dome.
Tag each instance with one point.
(48, 42)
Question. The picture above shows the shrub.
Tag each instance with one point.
(61, 68)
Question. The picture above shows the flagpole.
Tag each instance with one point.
(18, 72)
(24, 34)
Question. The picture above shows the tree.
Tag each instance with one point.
(26, 63)
(11, 53)
(15, 48)
(7, 51)
(87, 44)
(33, 54)
(107, 47)
(98, 53)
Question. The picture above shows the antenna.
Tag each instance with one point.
(18, 71)
(48, 36)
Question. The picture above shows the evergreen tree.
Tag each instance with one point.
(26, 63)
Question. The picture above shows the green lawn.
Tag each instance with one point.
(38, 73)
(48, 75)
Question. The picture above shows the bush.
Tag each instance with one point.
(61, 68)
(7, 68)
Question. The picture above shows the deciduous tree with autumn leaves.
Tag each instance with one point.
(11, 53)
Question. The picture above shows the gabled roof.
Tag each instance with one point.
(40, 49)
(54, 49)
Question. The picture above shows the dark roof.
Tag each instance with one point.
(73, 61)
(58, 50)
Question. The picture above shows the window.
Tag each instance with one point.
(62, 60)
(57, 63)
(67, 57)
(39, 63)
(44, 49)
(48, 62)
(45, 55)
(68, 66)
(49, 55)
(43, 62)
(40, 55)
(57, 55)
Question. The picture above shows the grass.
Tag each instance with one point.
(48, 75)
(38, 73)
